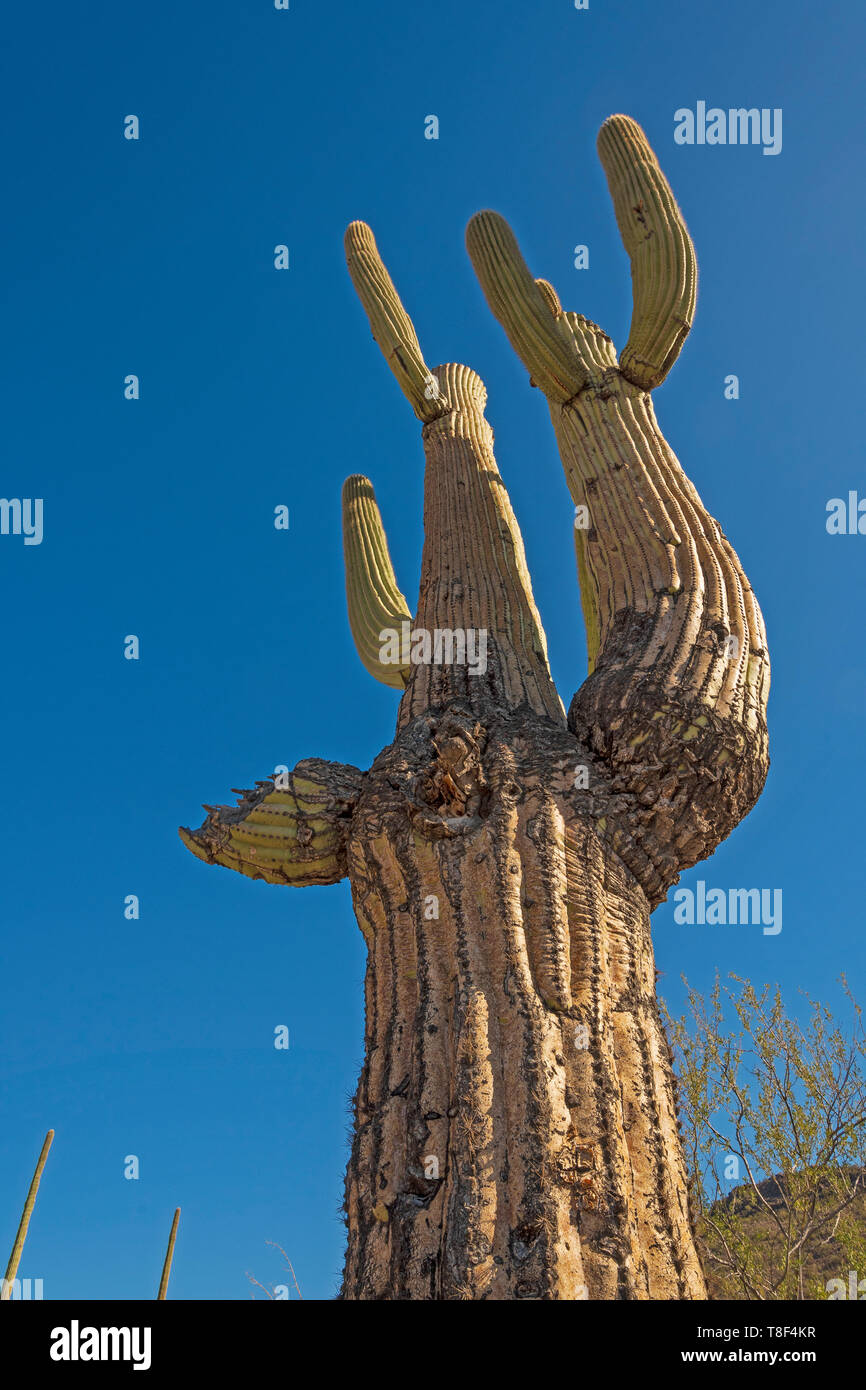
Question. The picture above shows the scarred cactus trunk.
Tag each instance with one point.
(515, 1127)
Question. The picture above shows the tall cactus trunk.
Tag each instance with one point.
(515, 1134)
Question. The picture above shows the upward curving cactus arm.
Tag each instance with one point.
(291, 830)
(375, 603)
(528, 309)
(391, 325)
(664, 269)
(475, 585)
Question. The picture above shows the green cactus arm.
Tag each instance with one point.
(294, 834)
(663, 268)
(166, 1268)
(563, 358)
(392, 328)
(375, 603)
(21, 1234)
(528, 309)
(663, 265)
(474, 577)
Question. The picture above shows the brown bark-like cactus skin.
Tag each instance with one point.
(513, 1036)
(515, 1129)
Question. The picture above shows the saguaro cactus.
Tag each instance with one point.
(515, 1126)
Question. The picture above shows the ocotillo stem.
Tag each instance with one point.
(166, 1269)
(15, 1257)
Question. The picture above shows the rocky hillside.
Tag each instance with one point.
(825, 1257)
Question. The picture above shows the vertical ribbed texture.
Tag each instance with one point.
(375, 603)
(677, 567)
(499, 1153)
(664, 270)
(679, 674)
(391, 326)
(473, 569)
(525, 307)
(676, 699)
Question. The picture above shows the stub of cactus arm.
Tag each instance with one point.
(391, 325)
(376, 605)
(664, 269)
(291, 829)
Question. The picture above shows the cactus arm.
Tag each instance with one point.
(663, 268)
(675, 703)
(528, 309)
(293, 835)
(474, 575)
(474, 578)
(375, 603)
(21, 1234)
(679, 674)
(169, 1254)
(663, 265)
(392, 328)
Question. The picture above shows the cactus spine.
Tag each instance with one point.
(515, 1124)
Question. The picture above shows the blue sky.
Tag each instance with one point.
(259, 388)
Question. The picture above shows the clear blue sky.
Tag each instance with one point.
(261, 387)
